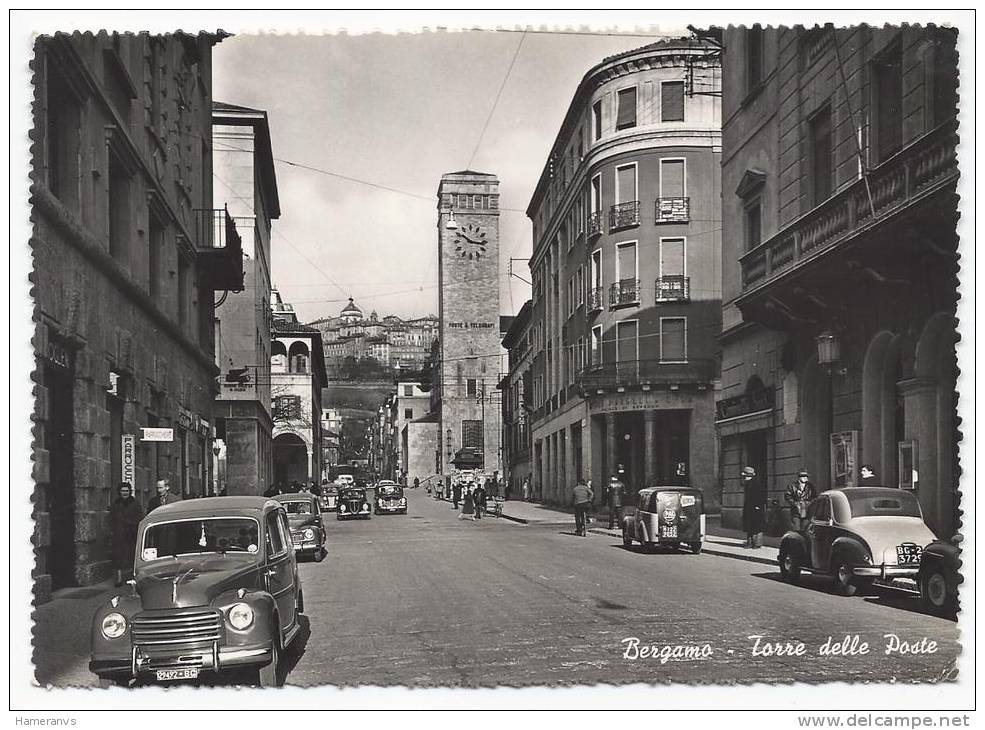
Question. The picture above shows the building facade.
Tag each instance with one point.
(297, 376)
(840, 263)
(245, 185)
(469, 320)
(626, 276)
(516, 402)
(128, 255)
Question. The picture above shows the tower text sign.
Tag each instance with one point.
(129, 459)
(471, 325)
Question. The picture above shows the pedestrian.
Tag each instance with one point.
(479, 495)
(125, 515)
(162, 497)
(798, 495)
(456, 494)
(526, 489)
(581, 496)
(315, 488)
(417, 482)
(468, 506)
(272, 491)
(868, 476)
(614, 494)
(753, 508)
(591, 505)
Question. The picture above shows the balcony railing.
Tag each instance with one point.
(220, 250)
(920, 169)
(672, 210)
(624, 292)
(594, 301)
(673, 289)
(595, 224)
(624, 215)
(634, 373)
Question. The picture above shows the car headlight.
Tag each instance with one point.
(365, 505)
(114, 625)
(403, 500)
(240, 616)
(309, 534)
(379, 502)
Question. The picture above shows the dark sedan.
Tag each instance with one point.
(353, 503)
(305, 520)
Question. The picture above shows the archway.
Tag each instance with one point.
(298, 358)
(290, 459)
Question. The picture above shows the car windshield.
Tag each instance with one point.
(389, 491)
(864, 503)
(298, 507)
(210, 535)
(352, 494)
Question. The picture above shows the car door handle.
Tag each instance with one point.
(271, 573)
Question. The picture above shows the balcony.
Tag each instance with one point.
(220, 250)
(921, 169)
(624, 293)
(624, 215)
(645, 373)
(672, 210)
(594, 301)
(594, 224)
(673, 289)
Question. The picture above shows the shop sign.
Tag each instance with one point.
(471, 325)
(58, 354)
(129, 460)
(184, 419)
(157, 434)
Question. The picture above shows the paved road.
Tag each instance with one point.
(428, 599)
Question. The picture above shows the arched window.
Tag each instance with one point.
(298, 358)
(278, 357)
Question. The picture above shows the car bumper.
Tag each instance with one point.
(886, 571)
(142, 663)
(305, 548)
(388, 508)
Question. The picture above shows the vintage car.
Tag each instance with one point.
(856, 535)
(939, 576)
(215, 589)
(669, 516)
(353, 503)
(305, 520)
(329, 497)
(390, 498)
(345, 480)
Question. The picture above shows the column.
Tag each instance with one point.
(611, 460)
(569, 464)
(548, 469)
(649, 448)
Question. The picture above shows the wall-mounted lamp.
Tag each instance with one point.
(829, 352)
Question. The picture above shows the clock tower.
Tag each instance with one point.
(468, 310)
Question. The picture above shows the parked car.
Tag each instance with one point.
(305, 520)
(329, 497)
(390, 498)
(670, 516)
(939, 576)
(216, 589)
(352, 503)
(857, 535)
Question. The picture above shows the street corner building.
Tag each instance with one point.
(840, 263)
(626, 296)
(128, 255)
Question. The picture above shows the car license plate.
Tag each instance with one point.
(908, 554)
(668, 531)
(168, 675)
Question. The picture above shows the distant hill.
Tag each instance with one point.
(367, 396)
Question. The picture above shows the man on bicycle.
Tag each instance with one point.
(582, 496)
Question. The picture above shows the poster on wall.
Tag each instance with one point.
(844, 470)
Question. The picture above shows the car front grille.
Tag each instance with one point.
(167, 629)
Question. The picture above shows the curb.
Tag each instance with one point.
(704, 549)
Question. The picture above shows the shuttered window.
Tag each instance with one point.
(672, 101)
(597, 120)
(626, 115)
(672, 257)
(472, 434)
(672, 338)
(626, 184)
(672, 178)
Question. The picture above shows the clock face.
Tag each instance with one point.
(470, 241)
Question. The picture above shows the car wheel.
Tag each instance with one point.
(844, 578)
(789, 565)
(300, 602)
(267, 675)
(695, 547)
(626, 539)
(934, 595)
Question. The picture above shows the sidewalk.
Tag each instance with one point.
(718, 540)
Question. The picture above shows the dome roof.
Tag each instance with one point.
(351, 308)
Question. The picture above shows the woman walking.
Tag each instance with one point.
(468, 506)
(753, 508)
(125, 515)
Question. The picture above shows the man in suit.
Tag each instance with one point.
(162, 497)
(614, 494)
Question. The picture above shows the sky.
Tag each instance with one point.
(399, 111)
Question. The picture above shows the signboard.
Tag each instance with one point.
(129, 459)
(157, 434)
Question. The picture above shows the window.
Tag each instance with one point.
(470, 388)
(275, 540)
(287, 407)
(119, 208)
(184, 293)
(673, 339)
(597, 120)
(941, 76)
(626, 113)
(672, 101)
(626, 263)
(754, 58)
(61, 144)
(820, 152)
(154, 254)
(472, 434)
(672, 179)
(581, 144)
(408, 390)
(672, 261)
(596, 195)
(627, 341)
(580, 285)
(595, 284)
(571, 296)
(408, 414)
(597, 345)
(753, 225)
(626, 183)
(888, 76)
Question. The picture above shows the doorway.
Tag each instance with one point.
(754, 453)
(60, 495)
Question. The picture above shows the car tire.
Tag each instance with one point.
(267, 675)
(789, 565)
(627, 541)
(934, 594)
(696, 547)
(845, 582)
